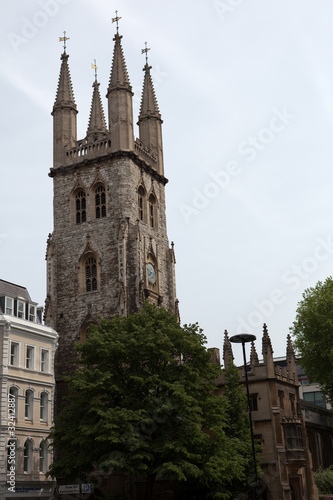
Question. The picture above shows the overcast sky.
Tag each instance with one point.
(245, 89)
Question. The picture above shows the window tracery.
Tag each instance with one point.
(80, 207)
(91, 274)
(142, 203)
(100, 201)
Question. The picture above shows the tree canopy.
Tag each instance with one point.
(142, 401)
(313, 331)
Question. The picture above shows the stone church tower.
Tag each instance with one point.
(109, 249)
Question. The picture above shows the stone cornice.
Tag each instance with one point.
(109, 156)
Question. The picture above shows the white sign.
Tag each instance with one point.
(72, 489)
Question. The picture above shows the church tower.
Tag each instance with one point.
(109, 249)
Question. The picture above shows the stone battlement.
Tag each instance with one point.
(84, 149)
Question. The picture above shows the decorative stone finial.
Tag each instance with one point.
(227, 350)
(254, 360)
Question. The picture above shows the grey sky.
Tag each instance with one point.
(245, 89)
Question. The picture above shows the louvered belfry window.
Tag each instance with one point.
(91, 274)
(80, 207)
(141, 203)
(100, 202)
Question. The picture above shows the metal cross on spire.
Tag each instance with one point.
(145, 51)
(95, 68)
(64, 39)
(115, 20)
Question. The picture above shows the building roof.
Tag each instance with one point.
(12, 290)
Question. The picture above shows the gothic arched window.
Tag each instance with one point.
(152, 211)
(142, 203)
(100, 201)
(80, 207)
(91, 274)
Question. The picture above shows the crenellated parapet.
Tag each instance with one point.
(285, 374)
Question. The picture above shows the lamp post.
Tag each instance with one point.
(243, 338)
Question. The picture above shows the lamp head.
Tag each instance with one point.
(242, 338)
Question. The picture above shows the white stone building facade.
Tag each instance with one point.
(27, 350)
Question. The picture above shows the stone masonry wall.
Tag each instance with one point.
(120, 241)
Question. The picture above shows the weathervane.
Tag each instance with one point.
(116, 19)
(63, 39)
(95, 68)
(145, 51)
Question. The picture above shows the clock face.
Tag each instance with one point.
(151, 273)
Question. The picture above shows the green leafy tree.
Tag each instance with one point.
(313, 331)
(142, 401)
(324, 481)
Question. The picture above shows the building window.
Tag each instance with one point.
(30, 357)
(13, 391)
(293, 437)
(29, 402)
(9, 306)
(281, 399)
(100, 202)
(80, 207)
(27, 456)
(43, 414)
(152, 211)
(14, 354)
(142, 203)
(32, 313)
(91, 274)
(44, 360)
(254, 402)
(292, 403)
(43, 457)
(20, 309)
(315, 397)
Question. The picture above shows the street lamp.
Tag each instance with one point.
(243, 338)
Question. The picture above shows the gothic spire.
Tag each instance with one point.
(118, 77)
(149, 106)
(120, 106)
(150, 121)
(227, 350)
(64, 113)
(65, 94)
(97, 123)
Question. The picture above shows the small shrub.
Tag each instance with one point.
(324, 481)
